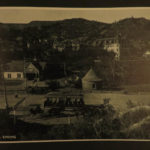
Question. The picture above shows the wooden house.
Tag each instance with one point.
(91, 81)
(20, 70)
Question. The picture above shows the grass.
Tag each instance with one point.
(135, 115)
(135, 121)
(137, 88)
(117, 99)
(139, 130)
(30, 99)
(50, 120)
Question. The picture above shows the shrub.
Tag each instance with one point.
(102, 120)
(53, 85)
(130, 104)
(6, 123)
(134, 115)
(139, 130)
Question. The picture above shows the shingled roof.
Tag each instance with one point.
(18, 66)
(91, 76)
(14, 66)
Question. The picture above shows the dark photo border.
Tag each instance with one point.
(76, 3)
(87, 145)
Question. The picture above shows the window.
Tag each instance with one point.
(9, 75)
(94, 86)
(18, 75)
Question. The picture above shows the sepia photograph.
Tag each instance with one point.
(74, 73)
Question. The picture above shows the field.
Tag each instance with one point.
(134, 120)
(117, 99)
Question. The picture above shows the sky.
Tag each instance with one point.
(107, 15)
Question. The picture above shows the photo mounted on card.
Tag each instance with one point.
(74, 73)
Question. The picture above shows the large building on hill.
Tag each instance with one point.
(146, 54)
(112, 45)
(109, 44)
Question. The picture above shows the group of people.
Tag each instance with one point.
(64, 101)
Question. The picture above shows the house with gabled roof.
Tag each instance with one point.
(14, 70)
(90, 80)
(20, 70)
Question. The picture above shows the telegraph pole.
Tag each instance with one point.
(25, 74)
(65, 73)
(5, 94)
(5, 90)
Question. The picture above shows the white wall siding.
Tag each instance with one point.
(114, 47)
(87, 85)
(14, 75)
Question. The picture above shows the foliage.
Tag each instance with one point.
(37, 39)
(53, 85)
(130, 104)
(37, 90)
(102, 121)
(6, 123)
(134, 115)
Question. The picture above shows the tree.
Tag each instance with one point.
(101, 122)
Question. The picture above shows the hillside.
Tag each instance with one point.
(133, 33)
(77, 42)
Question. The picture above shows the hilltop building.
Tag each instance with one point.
(112, 45)
(109, 44)
(58, 46)
(146, 54)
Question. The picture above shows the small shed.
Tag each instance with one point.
(31, 71)
(91, 81)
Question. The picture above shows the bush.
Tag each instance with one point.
(130, 104)
(139, 130)
(37, 90)
(53, 85)
(6, 123)
(134, 115)
(102, 120)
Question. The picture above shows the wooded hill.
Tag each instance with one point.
(133, 33)
(37, 39)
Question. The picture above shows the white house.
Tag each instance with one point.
(14, 70)
(19, 70)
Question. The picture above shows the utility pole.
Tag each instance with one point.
(113, 69)
(25, 74)
(65, 73)
(14, 112)
(5, 94)
(15, 107)
(5, 90)
(69, 121)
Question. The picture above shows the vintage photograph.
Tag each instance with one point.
(74, 73)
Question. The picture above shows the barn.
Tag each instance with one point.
(91, 81)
